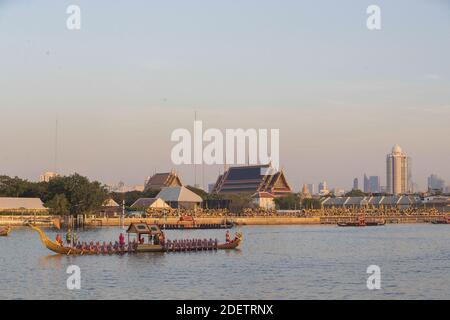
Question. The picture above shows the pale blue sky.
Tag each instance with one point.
(340, 94)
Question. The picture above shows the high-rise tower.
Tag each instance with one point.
(397, 171)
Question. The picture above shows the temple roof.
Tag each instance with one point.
(252, 179)
(162, 180)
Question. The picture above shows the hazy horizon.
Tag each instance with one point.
(340, 94)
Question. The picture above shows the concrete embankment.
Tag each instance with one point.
(50, 220)
(207, 220)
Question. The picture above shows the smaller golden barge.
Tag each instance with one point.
(141, 238)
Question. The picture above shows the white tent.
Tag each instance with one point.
(180, 197)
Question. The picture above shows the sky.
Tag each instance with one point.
(340, 94)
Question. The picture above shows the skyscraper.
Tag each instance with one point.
(312, 188)
(397, 172)
(355, 184)
(371, 184)
(323, 188)
(374, 184)
(366, 188)
(436, 183)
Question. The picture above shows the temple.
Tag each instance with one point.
(253, 179)
(163, 180)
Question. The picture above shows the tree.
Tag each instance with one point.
(355, 193)
(130, 197)
(82, 195)
(200, 192)
(290, 202)
(311, 203)
(240, 201)
(74, 193)
(58, 205)
(12, 187)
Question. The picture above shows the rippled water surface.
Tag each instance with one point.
(275, 262)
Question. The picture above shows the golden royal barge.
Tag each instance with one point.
(140, 231)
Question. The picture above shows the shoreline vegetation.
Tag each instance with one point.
(75, 196)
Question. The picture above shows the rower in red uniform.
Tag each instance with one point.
(161, 238)
(121, 240)
(227, 237)
(58, 239)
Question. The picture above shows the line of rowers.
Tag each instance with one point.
(97, 247)
(196, 244)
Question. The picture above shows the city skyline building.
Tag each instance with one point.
(47, 176)
(355, 184)
(372, 184)
(311, 188)
(323, 188)
(398, 173)
(436, 183)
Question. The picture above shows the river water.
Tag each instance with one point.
(274, 262)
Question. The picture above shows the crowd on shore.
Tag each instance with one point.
(260, 212)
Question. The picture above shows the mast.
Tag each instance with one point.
(195, 165)
(56, 146)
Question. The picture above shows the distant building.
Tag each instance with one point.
(264, 200)
(380, 202)
(211, 187)
(355, 184)
(22, 205)
(252, 179)
(337, 192)
(122, 188)
(398, 173)
(162, 180)
(372, 184)
(323, 188)
(312, 188)
(47, 176)
(410, 185)
(110, 208)
(305, 194)
(436, 183)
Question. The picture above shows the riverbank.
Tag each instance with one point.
(258, 220)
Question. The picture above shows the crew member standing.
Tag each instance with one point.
(227, 236)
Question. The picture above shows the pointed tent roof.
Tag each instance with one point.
(178, 194)
(146, 202)
(110, 203)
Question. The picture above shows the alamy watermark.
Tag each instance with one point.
(373, 21)
(228, 148)
(73, 21)
(74, 280)
(374, 280)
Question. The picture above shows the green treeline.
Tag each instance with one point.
(72, 194)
